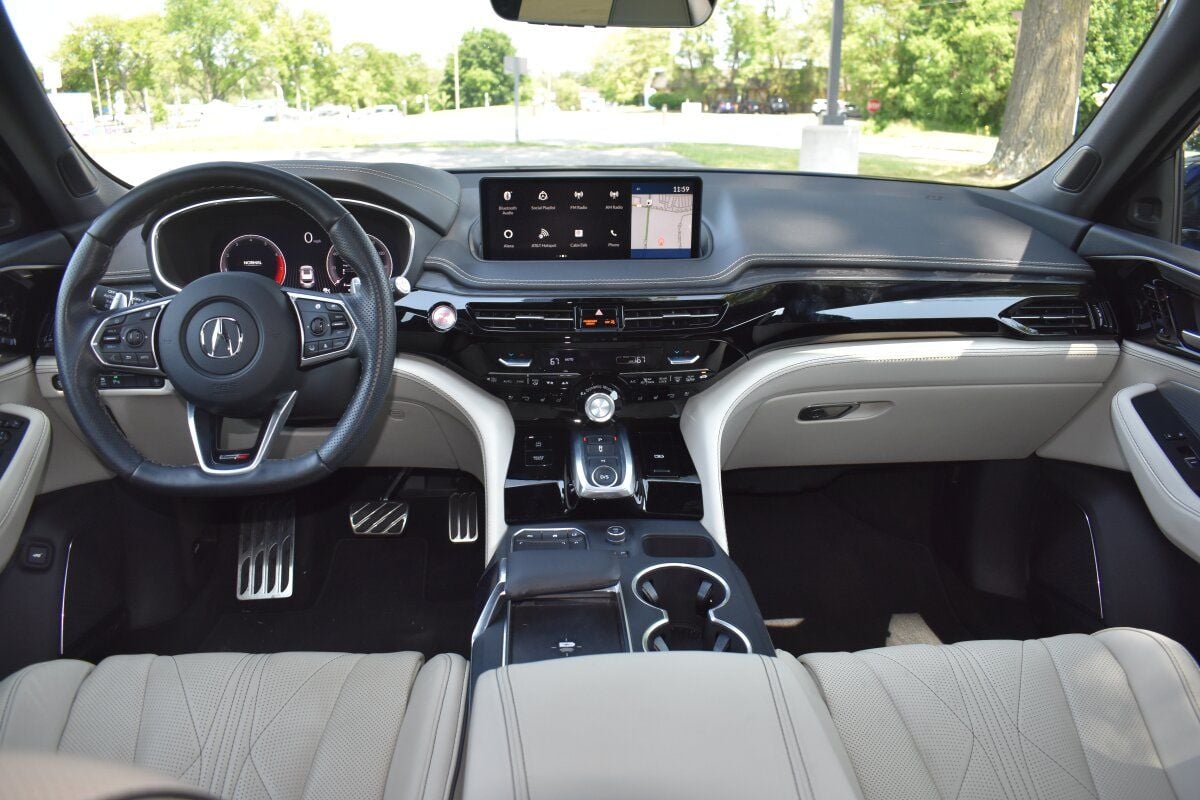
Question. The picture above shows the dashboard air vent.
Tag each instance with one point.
(1058, 316)
(523, 319)
(688, 315)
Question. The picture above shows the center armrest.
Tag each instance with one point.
(679, 724)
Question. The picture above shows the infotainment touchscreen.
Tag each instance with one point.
(590, 218)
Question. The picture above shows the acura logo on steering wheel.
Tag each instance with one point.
(221, 337)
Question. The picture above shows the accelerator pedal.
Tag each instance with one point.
(379, 518)
(464, 517)
(267, 550)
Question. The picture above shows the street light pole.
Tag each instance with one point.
(456, 95)
(833, 115)
(99, 97)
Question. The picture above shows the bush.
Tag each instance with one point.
(672, 100)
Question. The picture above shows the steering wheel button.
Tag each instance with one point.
(338, 344)
(135, 337)
(310, 348)
(318, 326)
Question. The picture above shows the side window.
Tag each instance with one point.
(1190, 235)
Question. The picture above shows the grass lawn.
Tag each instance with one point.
(735, 156)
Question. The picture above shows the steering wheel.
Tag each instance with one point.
(234, 345)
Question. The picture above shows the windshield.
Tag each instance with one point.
(966, 91)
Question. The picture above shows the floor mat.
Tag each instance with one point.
(374, 601)
(360, 594)
(835, 562)
(910, 629)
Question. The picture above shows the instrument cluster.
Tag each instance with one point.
(270, 238)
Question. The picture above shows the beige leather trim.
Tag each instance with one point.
(1089, 437)
(54, 776)
(918, 400)
(1165, 681)
(427, 748)
(695, 725)
(35, 703)
(21, 480)
(434, 419)
(489, 420)
(1172, 503)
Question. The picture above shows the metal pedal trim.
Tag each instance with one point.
(463, 525)
(266, 551)
(379, 518)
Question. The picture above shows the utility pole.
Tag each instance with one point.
(456, 94)
(833, 114)
(515, 65)
(99, 97)
(112, 112)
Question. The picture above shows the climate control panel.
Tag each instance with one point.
(598, 381)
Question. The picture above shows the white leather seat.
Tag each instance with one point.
(282, 726)
(1113, 715)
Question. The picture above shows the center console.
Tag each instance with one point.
(613, 586)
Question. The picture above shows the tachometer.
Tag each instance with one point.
(341, 273)
(257, 254)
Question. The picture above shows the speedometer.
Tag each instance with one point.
(257, 254)
(341, 273)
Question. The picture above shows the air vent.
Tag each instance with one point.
(657, 318)
(523, 319)
(1058, 316)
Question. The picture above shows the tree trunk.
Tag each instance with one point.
(1039, 114)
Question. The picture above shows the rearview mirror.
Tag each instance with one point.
(603, 13)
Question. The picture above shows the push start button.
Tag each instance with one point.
(605, 476)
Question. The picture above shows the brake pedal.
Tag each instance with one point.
(267, 551)
(379, 518)
(464, 517)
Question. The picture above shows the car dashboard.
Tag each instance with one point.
(749, 265)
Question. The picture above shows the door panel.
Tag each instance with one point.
(1147, 418)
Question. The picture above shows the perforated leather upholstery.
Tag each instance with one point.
(284, 726)
(1113, 715)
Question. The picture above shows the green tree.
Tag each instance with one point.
(628, 60)
(696, 74)
(299, 54)
(365, 75)
(129, 53)
(1116, 29)
(743, 42)
(217, 43)
(481, 55)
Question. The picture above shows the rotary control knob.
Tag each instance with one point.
(600, 405)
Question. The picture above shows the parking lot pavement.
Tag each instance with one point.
(473, 138)
(139, 166)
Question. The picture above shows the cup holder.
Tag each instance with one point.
(688, 598)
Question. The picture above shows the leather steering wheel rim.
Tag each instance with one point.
(77, 322)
